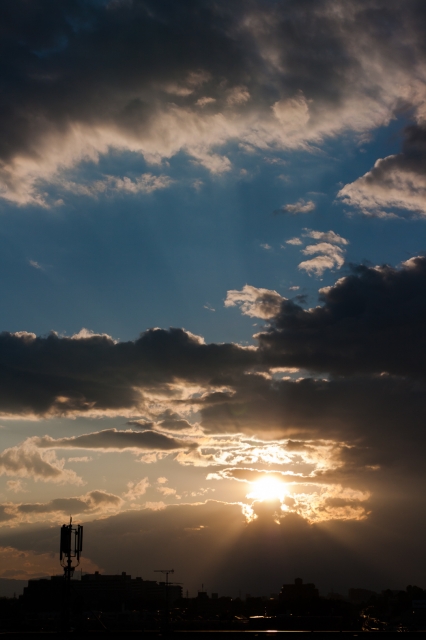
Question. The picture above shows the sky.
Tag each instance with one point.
(213, 287)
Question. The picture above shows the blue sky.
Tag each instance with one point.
(252, 176)
(121, 263)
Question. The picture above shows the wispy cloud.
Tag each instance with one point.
(136, 489)
(301, 206)
(110, 185)
(35, 265)
(112, 439)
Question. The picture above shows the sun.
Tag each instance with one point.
(268, 489)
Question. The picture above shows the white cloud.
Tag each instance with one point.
(401, 190)
(294, 241)
(85, 334)
(325, 236)
(35, 264)
(301, 206)
(254, 302)
(330, 257)
(317, 265)
(146, 183)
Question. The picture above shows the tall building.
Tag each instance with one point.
(298, 591)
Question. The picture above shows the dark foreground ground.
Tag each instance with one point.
(177, 635)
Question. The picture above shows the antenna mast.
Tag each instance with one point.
(70, 549)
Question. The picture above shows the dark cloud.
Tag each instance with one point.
(80, 77)
(90, 502)
(370, 321)
(42, 375)
(174, 424)
(5, 516)
(111, 439)
(169, 421)
(25, 460)
(381, 418)
(67, 505)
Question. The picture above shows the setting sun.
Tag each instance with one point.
(268, 489)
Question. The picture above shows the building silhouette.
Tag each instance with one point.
(298, 591)
(100, 592)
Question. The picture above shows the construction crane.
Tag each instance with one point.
(166, 572)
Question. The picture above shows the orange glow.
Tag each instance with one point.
(268, 489)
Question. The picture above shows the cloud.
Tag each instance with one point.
(370, 321)
(322, 503)
(114, 440)
(330, 257)
(202, 102)
(92, 501)
(174, 422)
(166, 491)
(254, 302)
(325, 236)
(25, 461)
(268, 75)
(298, 207)
(95, 502)
(27, 564)
(17, 486)
(93, 374)
(35, 265)
(395, 182)
(136, 489)
(155, 506)
(146, 183)
(5, 515)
